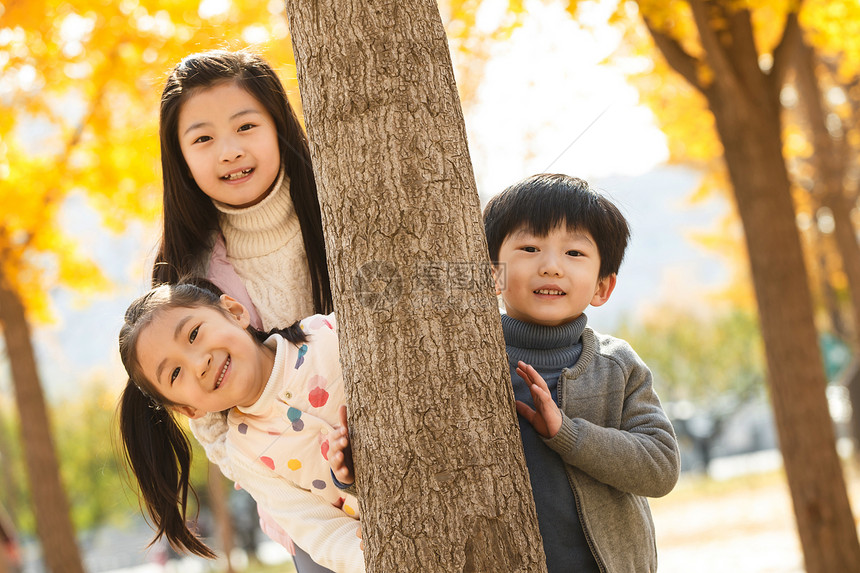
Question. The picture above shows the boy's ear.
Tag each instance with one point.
(237, 309)
(498, 278)
(605, 286)
(193, 413)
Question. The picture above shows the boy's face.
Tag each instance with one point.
(550, 280)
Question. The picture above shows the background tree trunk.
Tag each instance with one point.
(441, 473)
(831, 165)
(51, 507)
(745, 104)
(10, 486)
(796, 371)
(218, 496)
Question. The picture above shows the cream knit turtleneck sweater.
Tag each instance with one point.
(265, 247)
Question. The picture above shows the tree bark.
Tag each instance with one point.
(51, 506)
(441, 475)
(745, 104)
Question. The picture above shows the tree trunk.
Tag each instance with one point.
(7, 533)
(745, 104)
(218, 495)
(852, 382)
(829, 296)
(831, 164)
(442, 479)
(10, 485)
(51, 507)
(796, 371)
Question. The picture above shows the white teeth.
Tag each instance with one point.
(237, 175)
(223, 372)
(547, 291)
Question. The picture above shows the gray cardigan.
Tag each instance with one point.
(619, 447)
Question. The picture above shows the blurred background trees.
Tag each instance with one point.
(80, 90)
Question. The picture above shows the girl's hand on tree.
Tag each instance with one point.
(546, 419)
(340, 451)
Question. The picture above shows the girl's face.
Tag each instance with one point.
(230, 144)
(203, 359)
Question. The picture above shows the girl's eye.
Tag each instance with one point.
(530, 249)
(193, 334)
(202, 139)
(574, 253)
(247, 126)
(174, 374)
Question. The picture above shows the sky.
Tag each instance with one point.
(549, 103)
(545, 105)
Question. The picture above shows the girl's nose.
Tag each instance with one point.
(231, 151)
(204, 361)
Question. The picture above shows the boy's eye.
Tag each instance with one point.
(530, 249)
(202, 139)
(247, 126)
(574, 253)
(193, 334)
(174, 374)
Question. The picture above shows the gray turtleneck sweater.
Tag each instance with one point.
(615, 447)
(549, 350)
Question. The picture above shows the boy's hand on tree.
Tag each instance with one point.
(546, 418)
(340, 451)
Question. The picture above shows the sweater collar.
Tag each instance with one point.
(544, 347)
(261, 407)
(262, 228)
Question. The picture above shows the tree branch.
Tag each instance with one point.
(782, 54)
(714, 52)
(676, 56)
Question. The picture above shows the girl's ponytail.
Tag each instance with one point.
(160, 456)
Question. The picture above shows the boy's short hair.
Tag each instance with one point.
(541, 203)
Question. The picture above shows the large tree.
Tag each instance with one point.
(735, 56)
(441, 474)
(743, 96)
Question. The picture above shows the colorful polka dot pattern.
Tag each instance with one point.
(317, 395)
(303, 349)
(293, 440)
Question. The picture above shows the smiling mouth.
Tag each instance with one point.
(223, 372)
(549, 291)
(237, 175)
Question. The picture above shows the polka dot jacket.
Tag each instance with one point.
(278, 447)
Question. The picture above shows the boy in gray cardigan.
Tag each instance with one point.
(596, 440)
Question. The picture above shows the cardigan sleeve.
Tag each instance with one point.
(640, 454)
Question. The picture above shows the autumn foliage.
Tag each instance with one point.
(79, 94)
